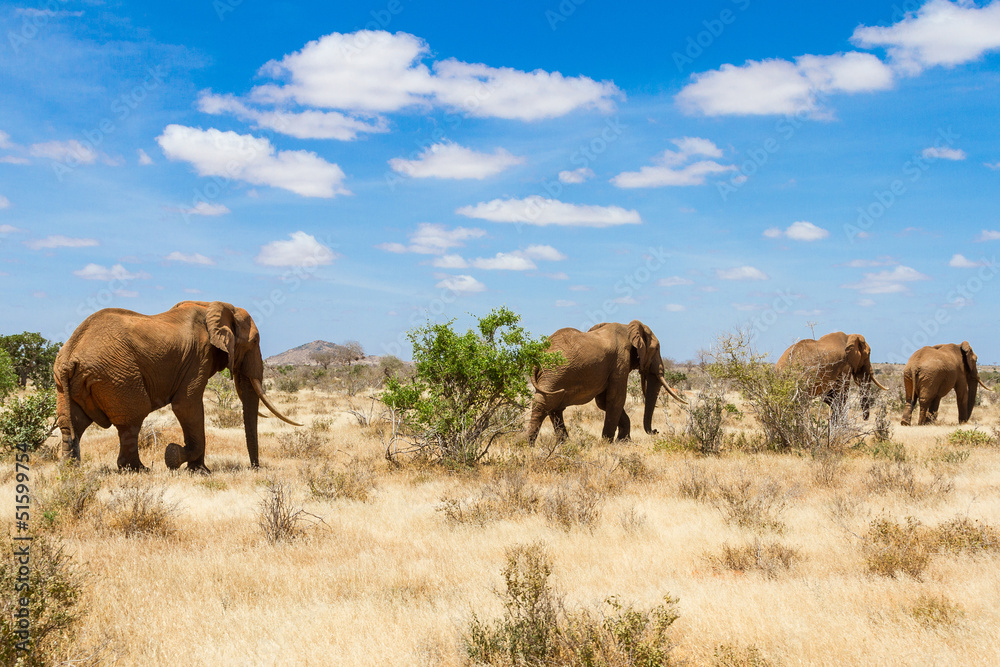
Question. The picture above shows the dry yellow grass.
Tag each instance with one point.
(390, 580)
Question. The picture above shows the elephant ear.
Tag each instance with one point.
(638, 334)
(969, 358)
(221, 325)
(857, 351)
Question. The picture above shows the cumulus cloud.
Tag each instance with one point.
(940, 33)
(450, 262)
(448, 160)
(576, 176)
(310, 124)
(206, 208)
(60, 241)
(887, 282)
(434, 239)
(301, 250)
(988, 235)
(462, 284)
(798, 231)
(544, 252)
(961, 262)
(669, 168)
(254, 160)
(741, 273)
(943, 153)
(116, 272)
(538, 210)
(505, 261)
(373, 71)
(992, 165)
(144, 158)
(193, 258)
(9, 229)
(775, 86)
(65, 151)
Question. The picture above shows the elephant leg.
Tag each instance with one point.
(191, 415)
(932, 410)
(128, 447)
(78, 419)
(624, 426)
(615, 407)
(924, 405)
(559, 425)
(538, 414)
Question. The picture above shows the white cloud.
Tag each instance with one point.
(945, 153)
(60, 241)
(544, 252)
(992, 165)
(798, 231)
(9, 229)
(867, 263)
(373, 71)
(4, 202)
(667, 169)
(537, 210)
(989, 235)
(673, 281)
(741, 273)
(302, 250)
(116, 272)
(776, 86)
(939, 33)
(251, 159)
(450, 262)
(674, 308)
(10, 159)
(144, 158)
(5, 141)
(462, 284)
(64, 151)
(866, 303)
(887, 282)
(434, 239)
(961, 262)
(206, 208)
(576, 176)
(504, 262)
(310, 124)
(563, 303)
(448, 160)
(194, 258)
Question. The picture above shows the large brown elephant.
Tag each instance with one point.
(935, 370)
(598, 363)
(118, 366)
(831, 362)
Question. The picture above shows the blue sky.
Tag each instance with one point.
(349, 170)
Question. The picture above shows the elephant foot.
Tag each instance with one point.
(198, 467)
(132, 467)
(174, 456)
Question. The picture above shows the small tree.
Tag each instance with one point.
(32, 356)
(468, 389)
(324, 358)
(8, 378)
(28, 421)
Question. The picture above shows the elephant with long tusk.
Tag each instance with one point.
(598, 363)
(118, 366)
(932, 372)
(829, 365)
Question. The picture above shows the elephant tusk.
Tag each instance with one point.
(262, 415)
(879, 384)
(260, 393)
(984, 386)
(669, 390)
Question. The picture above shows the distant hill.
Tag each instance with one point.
(302, 355)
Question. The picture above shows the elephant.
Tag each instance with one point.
(935, 370)
(118, 366)
(597, 366)
(831, 362)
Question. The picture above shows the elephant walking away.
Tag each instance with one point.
(118, 366)
(598, 363)
(831, 362)
(935, 370)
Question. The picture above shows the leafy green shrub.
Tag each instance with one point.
(28, 420)
(8, 378)
(53, 591)
(970, 438)
(468, 389)
(32, 357)
(537, 630)
(705, 420)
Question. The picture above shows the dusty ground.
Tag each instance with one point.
(390, 571)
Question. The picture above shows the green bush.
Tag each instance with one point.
(28, 421)
(32, 357)
(8, 378)
(52, 594)
(468, 389)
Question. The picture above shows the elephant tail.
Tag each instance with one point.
(915, 387)
(64, 376)
(535, 376)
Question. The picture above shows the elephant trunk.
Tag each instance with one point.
(251, 406)
(651, 391)
(973, 390)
